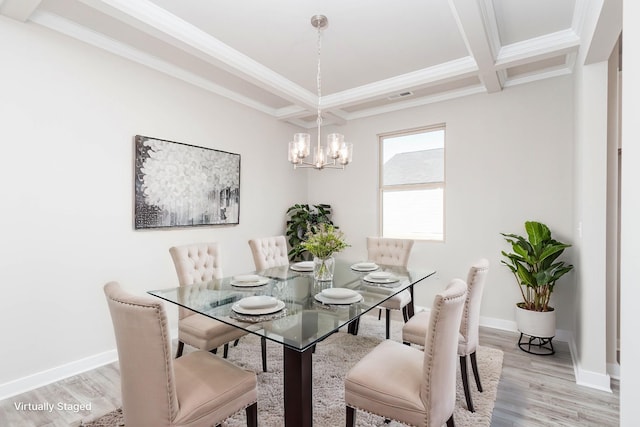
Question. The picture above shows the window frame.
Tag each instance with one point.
(407, 187)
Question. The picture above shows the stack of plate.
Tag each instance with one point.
(257, 305)
(302, 266)
(248, 280)
(338, 296)
(382, 277)
(365, 266)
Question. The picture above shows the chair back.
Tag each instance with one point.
(196, 263)
(388, 251)
(269, 252)
(438, 391)
(469, 326)
(144, 355)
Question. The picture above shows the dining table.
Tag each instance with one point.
(286, 305)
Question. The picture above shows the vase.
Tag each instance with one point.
(323, 268)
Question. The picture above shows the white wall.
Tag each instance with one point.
(508, 160)
(68, 114)
(630, 210)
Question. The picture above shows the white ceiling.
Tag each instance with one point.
(263, 53)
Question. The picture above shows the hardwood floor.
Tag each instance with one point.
(533, 391)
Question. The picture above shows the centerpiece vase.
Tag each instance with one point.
(323, 268)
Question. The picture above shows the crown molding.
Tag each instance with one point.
(20, 10)
(71, 29)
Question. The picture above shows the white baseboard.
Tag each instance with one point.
(584, 377)
(613, 369)
(39, 379)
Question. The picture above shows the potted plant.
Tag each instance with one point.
(536, 268)
(322, 244)
(302, 219)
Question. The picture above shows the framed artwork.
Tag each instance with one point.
(181, 185)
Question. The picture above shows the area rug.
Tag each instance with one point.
(331, 361)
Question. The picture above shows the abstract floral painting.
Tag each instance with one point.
(181, 185)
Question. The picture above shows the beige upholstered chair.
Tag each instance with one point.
(269, 252)
(196, 390)
(415, 329)
(394, 252)
(418, 388)
(194, 264)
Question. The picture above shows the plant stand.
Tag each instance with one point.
(536, 345)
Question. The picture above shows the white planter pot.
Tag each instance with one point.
(540, 324)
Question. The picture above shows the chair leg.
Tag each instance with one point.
(351, 417)
(214, 350)
(405, 313)
(388, 326)
(379, 313)
(226, 351)
(180, 349)
(465, 382)
(252, 415)
(450, 422)
(235, 343)
(263, 346)
(474, 366)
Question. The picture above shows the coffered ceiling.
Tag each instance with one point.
(377, 55)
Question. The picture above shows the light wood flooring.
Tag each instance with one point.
(533, 391)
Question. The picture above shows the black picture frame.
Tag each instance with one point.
(183, 185)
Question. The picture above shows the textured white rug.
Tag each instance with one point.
(331, 361)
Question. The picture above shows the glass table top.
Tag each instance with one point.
(289, 306)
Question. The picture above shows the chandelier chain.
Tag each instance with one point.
(319, 79)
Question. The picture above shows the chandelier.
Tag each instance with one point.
(338, 153)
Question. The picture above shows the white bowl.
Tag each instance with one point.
(381, 275)
(339, 293)
(258, 301)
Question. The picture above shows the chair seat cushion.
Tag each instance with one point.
(206, 334)
(368, 386)
(207, 385)
(415, 330)
(398, 301)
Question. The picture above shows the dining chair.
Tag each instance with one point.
(196, 263)
(196, 390)
(269, 252)
(395, 252)
(419, 388)
(414, 331)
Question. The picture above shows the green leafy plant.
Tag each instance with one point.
(534, 263)
(302, 219)
(325, 241)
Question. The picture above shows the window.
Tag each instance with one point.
(412, 184)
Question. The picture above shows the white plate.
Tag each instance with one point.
(365, 266)
(382, 280)
(257, 311)
(247, 284)
(323, 299)
(258, 301)
(339, 293)
(302, 266)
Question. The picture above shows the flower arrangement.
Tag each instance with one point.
(326, 241)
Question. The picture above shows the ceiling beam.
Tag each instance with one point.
(535, 49)
(476, 23)
(156, 21)
(19, 10)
